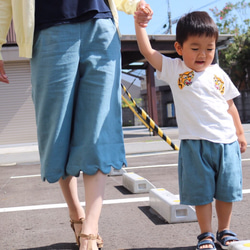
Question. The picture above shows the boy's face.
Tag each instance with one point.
(197, 52)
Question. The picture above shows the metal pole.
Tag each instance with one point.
(149, 121)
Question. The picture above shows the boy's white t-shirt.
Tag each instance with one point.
(200, 100)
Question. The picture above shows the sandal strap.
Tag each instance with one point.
(205, 235)
(228, 238)
(206, 239)
(80, 221)
(73, 222)
(219, 235)
(226, 235)
(88, 236)
(206, 242)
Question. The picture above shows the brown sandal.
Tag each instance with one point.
(99, 240)
(72, 224)
(89, 238)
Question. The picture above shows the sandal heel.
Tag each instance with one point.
(99, 241)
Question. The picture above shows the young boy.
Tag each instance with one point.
(209, 125)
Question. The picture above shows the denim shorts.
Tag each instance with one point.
(209, 170)
(76, 70)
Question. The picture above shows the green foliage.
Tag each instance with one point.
(232, 19)
(235, 60)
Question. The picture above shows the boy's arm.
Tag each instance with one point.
(151, 55)
(237, 123)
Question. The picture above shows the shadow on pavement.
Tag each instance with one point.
(123, 190)
(126, 136)
(152, 215)
(58, 246)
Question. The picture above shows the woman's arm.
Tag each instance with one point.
(5, 19)
(126, 6)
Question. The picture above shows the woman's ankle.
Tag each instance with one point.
(77, 214)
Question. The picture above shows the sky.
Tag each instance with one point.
(177, 7)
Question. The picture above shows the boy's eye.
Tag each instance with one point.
(210, 49)
(194, 49)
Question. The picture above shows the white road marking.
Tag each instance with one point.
(105, 202)
(25, 176)
(153, 166)
(151, 154)
(64, 205)
(245, 159)
(246, 191)
(127, 168)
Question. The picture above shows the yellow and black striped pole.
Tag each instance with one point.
(150, 122)
(139, 117)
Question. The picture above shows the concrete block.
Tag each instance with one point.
(168, 206)
(135, 183)
(240, 245)
(117, 171)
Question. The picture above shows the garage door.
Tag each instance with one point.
(17, 118)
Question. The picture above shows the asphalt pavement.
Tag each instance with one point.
(33, 214)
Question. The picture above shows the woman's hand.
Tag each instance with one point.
(143, 14)
(3, 76)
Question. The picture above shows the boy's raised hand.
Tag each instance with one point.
(143, 14)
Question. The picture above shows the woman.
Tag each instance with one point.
(75, 63)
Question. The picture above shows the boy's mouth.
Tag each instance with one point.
(200, 62)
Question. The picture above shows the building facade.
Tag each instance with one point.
(17, 123)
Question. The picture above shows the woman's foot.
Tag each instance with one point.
(76, 226)
(88, 242)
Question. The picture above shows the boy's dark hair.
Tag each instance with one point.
(196, 23)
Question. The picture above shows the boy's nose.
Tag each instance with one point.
(202, 53)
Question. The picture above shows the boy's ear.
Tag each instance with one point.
(178, 48)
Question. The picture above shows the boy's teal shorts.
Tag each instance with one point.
(209, 170)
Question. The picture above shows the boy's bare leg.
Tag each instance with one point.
(204, 216)
(224, 214)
